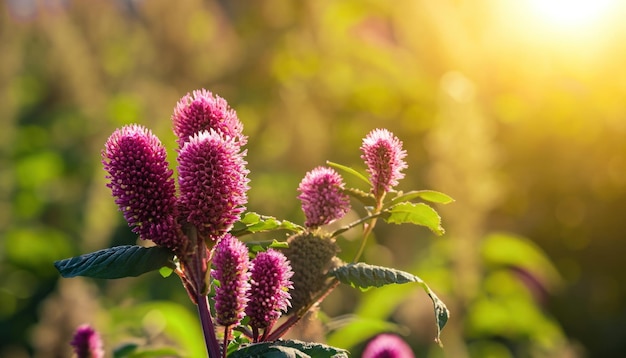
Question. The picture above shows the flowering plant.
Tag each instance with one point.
(199, 227)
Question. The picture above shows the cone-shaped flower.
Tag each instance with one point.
(87, 343)
(322, 197)
(213, 182)
(142, 184)
(231, 263)
(202, 111)
(387, 346)
(384, 157)
(270, 282)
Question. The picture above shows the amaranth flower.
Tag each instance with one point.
(87, 343)
(387, 346)
(231, 263)
(270, 282)
(202, 111)
(384, 157)
(322, 197)
(213, 182)
(142, 184)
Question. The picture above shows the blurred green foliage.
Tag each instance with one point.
(521, 124)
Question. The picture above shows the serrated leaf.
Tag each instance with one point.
(349, 171)
(291, 349)
(116, 262)
(418, 214)
(250, 218)
(427, 195)
(253, 223)
(366, 199)
(365, 276)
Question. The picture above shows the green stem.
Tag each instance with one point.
(369, 227)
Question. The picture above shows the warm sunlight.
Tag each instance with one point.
(572, 14)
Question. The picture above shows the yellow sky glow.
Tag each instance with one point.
(571, 14)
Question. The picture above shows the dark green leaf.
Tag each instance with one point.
(418, 214)
(116, 262)
(291, 349)
(427, 195)
(350, 171)
(366, 276)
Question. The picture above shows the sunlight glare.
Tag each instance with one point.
(572, 14)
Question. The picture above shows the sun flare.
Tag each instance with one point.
(571, 14)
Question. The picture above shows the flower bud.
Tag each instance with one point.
(142, 184)
(384, 157)
(322, 197)
(213, 182)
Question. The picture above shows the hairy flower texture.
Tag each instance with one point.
(387, 346)
(142, 184)
(202, 111)
(213, 182)
(87, 343)
(269, 290)
(311, 257)
(322, 197)
(231, 263)
(384, 157)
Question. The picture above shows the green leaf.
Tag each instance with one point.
(166, 271)
(252, 223)
(257, 246)
(366, 199)
(364, 276)
(349, 171)
(291, 349)
(116, 262)
(427, 195)
(125, 350)
(418, 214)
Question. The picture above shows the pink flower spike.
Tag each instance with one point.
(213, 182)
(384, 157)
(387, 346)
(322, 197)
(142, 184)
(270, 282)
(87, 343)
(202, 111)
(231, 263)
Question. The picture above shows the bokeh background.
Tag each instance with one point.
(516, 108)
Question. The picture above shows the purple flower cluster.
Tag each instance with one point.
(87, 343)
(322, 197)
(213, 182)
(270, 282)
(142, 184)
(212, 173)
(387, 346)
(384, 157)
(231, 262)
